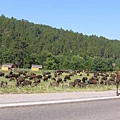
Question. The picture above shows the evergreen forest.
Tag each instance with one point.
(25, 43)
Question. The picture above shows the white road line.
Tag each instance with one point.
(54, 102)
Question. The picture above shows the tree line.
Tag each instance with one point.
(24, 43)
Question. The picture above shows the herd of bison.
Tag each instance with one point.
(57, 78)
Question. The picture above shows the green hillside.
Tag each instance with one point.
(24, 43)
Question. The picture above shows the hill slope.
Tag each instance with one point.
(26, 43)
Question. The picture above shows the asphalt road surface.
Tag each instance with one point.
(90, 110)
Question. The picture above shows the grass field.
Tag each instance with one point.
(45, 86)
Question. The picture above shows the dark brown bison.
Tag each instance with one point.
(32, 76)
(55, 74)
(113, 75)
(59, 80)
(80, 74)
(3, 84)
(71, 84)
(109, 82)
(93, 80)
(39, 76)
(53, 79)
(59, 73)
(67, 77)
(11, 79)
(26, 83)
(54, 84)
(15, 75)
(36, 80)
(49, 76)
(2, 74)
(22, 72)
(84, 79)
(44, 74)
(77, 81)
(45, 78)
(20, 79)
(81, 84)
(8, 76)
(117, 82)
(96, 74)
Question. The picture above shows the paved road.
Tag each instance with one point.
(90, 110)
(16, 98)
(8, 100)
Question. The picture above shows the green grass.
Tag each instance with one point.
(44, 87)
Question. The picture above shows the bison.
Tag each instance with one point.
(77, 81)
(3, 84)
(67, 77)
(54, 84)
(36, 80)
(59, 80)
(20, 79)
(84, 79)
(71, 84)
(26, 83)
(45, 78)
(117, 82)
(2, 74)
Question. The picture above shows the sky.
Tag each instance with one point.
(90, 17)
